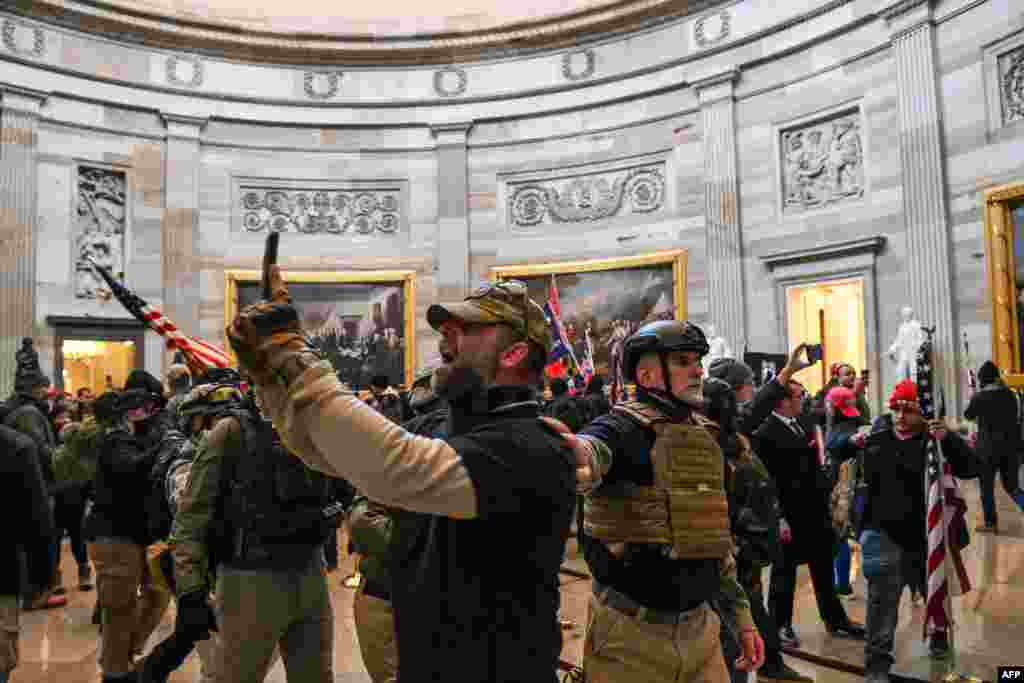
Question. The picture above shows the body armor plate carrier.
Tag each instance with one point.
(276, 506)
(686, 508)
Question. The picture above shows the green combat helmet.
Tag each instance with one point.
(206, 399)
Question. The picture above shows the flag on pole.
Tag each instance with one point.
(946, 511)
(200, 356)
(588, 358)
(561, 360)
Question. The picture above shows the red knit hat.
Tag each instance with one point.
(844, 401)
(905, 394)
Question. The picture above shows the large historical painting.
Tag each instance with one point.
(364, 328)
(608, 299)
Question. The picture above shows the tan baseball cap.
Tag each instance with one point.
(503, 302)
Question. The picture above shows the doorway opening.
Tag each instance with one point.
(829, 313)
(96, 365)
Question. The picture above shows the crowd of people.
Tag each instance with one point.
(224, 493)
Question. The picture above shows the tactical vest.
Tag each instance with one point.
(275, 507)
(686, 508)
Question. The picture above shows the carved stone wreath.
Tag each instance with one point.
(588, 198)
(589, 64)
(10, 40)
(1013, 85)
(333, 83)
(700, 30)
(172, 71)
(441, 75)
(320, 211)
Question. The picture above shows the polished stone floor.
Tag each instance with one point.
(59, 645)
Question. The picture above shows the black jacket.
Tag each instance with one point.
(29, 418)
(569, 410)
(477, 599)
(25, 507)
(122, 487)
(894, 471)
(995, 409)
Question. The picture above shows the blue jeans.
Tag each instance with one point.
(842, 566)
(888, 568)
(4, 676)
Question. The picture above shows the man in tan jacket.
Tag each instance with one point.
(475, 586)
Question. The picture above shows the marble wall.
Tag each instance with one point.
(768, 137)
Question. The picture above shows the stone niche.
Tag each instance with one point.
(822, 162)
(100, 220)
(362, 210)
(587, 197)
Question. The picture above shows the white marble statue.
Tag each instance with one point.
(718, 347)
(904, 348)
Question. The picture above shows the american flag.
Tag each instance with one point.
(199, 355)
(561, 350)
(946, 518)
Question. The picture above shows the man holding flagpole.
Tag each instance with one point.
(913, 518)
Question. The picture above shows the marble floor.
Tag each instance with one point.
(59, 645)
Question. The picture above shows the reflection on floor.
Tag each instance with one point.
(59, 646)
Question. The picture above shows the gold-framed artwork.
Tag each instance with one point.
(363, 321)
(611, 297)
(1004, 246)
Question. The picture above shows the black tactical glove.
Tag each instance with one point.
(195, 616)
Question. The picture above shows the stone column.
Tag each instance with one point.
(179, 246)
(19, 116)
(929, 270)
(721, 208)
(452, 244)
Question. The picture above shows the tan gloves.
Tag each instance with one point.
(268, 339)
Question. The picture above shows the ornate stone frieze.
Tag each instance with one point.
(1011, 84)
(99, 228)
(333, 211)
(23, 40)
(184, 71)
(450, 81)
(590, 197)
(822, 163)
(712, 28)
(579, 64)
(321, 85)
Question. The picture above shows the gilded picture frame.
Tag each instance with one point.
(632, 292)
(368, 338)
(1001, 268)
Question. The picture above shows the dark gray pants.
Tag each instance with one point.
(887, 568)
(1007, 466)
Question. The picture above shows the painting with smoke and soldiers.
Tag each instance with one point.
(360, 327)
(609, 304)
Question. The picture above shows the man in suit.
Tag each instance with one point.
(784, 442)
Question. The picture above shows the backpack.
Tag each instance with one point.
(159, 515)
(846, 502)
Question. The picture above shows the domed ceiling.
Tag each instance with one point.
(377, 31)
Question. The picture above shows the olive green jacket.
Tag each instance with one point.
(201, 506)
(370, 526)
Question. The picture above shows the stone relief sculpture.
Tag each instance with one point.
(588, 197)
(822, 163)
(320, 211)
(904, 348)
(1011, 70)
(99, 228)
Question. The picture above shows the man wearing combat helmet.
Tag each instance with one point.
(656, 524)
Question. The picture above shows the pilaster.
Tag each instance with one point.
(727, 303)
(929, 269)
(452, 241)
(19, 118)
(180, 230)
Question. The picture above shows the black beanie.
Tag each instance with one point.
(988, 373)
(140, 379)
(735, 372)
